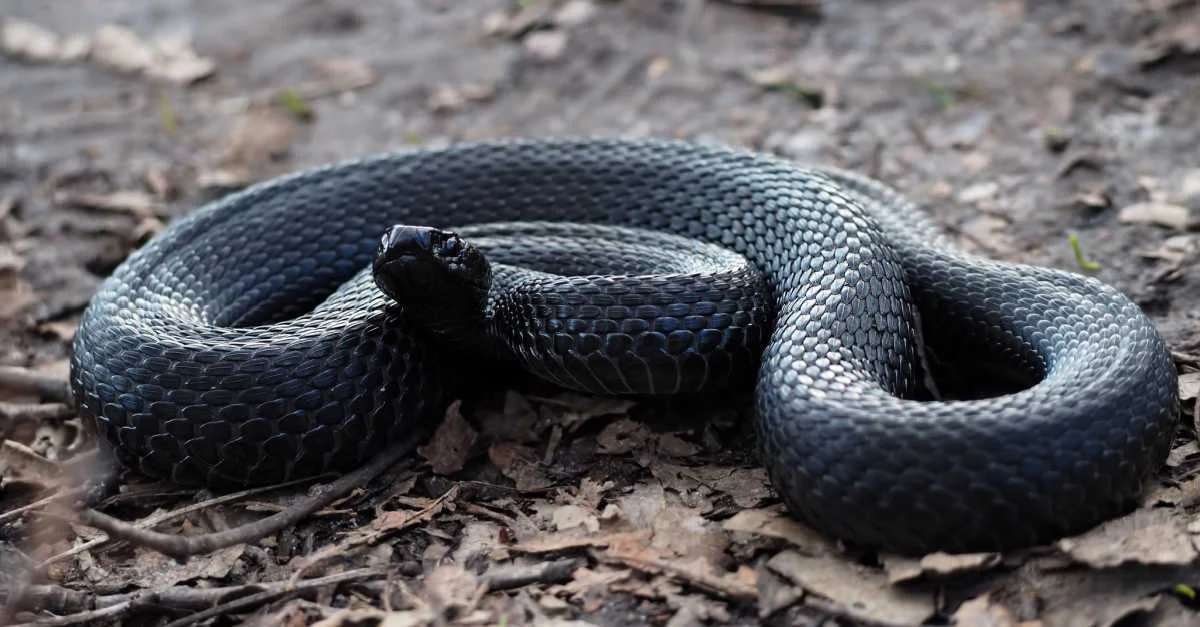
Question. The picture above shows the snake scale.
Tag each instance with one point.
(247, 343)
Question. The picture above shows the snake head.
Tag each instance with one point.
(434, 273)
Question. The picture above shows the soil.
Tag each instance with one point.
(1053, 133)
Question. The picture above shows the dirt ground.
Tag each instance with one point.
(1019, 124)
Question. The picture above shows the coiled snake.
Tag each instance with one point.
(248, 343)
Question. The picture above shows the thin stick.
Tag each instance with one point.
(182, 547)
(160, 518)
(58, 599)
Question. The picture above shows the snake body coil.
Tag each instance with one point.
(247, 344)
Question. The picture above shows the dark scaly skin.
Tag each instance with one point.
(177, 366)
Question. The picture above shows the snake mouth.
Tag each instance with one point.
(431, 271)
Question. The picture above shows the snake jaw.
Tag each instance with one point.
(440, 278)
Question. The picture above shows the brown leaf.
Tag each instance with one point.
(640, 507)
(451, 589)
(262, 134)
(567, 517)
(575, 410)
(1155, 536)
(152, 569)
(737, 586)
(348, 73)
(622, 436)
(981, 612)
(15, 295)
(515, 423)
(420, 617)
(521, 464)
(748, 487)
(478, 537)
(30, 41)
(900, 568)
(120, 48)
(672, 445)
(450, 447)
(545, 45)
(1160, 213)
(171, 60)
(865, 591)
(556, 542)
(134, 202)
(574, 12)
(1189, 386)
(10, 261)
(681, 532)
(777, 524)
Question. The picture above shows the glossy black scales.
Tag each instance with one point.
(247, 343)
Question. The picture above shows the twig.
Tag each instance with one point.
(29, 382)
(16, 512)
(181, 547)
(277, 589)
(86, 617)
(58, 599)
(479, 510)
(157, 519)
(513, 576)
(370, 536)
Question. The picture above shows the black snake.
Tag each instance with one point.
(248, 343)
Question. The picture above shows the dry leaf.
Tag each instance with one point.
(557, 542)
(521, 464)
(574, 12)
(545, 45)
(1154, 536)
(672, 445)
(262, 134)
(575, 410)
(1160, 213)
(1189, 385)
(900, 568)
(450, 589)
(1182, 453)
(981, 612)
(685, 534)
(567, 517)
(640, 507)
(748, 487)
(152, 569)
(134, 202)
(865, 592)
(26, 40)
(15, 295)
(348, 73)
(120, 48)
(477, 538)
(170, 59)
(777, 524)
(450, 447)
(420, 617)
(515, 423)
(622, 436)
(10, 261)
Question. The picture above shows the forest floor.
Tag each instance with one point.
(1019, 125)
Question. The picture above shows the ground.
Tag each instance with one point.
(1059, 134)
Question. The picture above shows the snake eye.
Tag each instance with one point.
(452, 246)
